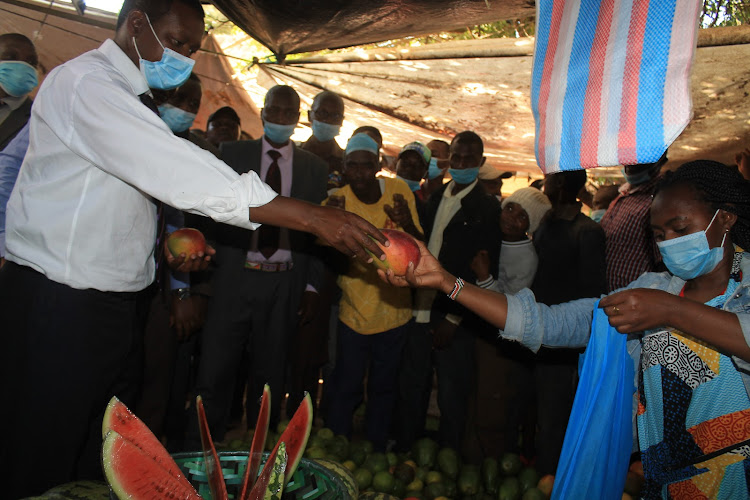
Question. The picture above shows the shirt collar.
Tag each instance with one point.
(14, 102)
(448, 193)
(286, 150)
(124, 65)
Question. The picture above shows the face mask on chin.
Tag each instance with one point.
(413, 185)
(168, 73)
(690, 256)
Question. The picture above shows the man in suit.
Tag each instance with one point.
(265, 283)
(18, 77)
(459, 220)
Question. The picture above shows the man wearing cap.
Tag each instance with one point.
(491, 179)
(223, 126)
(373, 317)
(266, 281)
(326, 117)
(411, 167)
(631, 248)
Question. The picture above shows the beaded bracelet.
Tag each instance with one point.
(457, 287)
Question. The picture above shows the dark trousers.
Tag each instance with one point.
(414, 386)
(382, 353)
(256, 313)
(454, 365)
(66, 353)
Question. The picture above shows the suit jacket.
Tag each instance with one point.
(476, 226)
(309, 178)
(14, 123)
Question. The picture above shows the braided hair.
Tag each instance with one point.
(720, 186)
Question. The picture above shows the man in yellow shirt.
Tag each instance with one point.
(373, 317)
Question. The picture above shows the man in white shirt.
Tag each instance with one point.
(81, 228)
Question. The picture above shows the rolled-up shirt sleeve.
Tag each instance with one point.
(127, 140)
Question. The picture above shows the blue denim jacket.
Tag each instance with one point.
(569, 324)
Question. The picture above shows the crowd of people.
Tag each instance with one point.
(106, 163)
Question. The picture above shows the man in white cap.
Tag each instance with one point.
(491, 179)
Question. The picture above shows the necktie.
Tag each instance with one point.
(268, 237)
(161, 225)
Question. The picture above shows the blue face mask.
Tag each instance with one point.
(596, 215)
(464, 176)
(690, 256)
(637, 179)
(276, 133)
(17, 78)
(434, 171)
(413, 185)
(325, 132)
(168, 73)
(178, 119)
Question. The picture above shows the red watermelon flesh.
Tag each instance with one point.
(295, 436)
(259, 439)
(213, 465)
(132, 473)
(120, 419)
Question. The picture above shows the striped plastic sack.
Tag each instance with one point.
(599, 437)
(611, 80)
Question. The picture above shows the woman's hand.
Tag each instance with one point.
(639, 309)
(427, 274)
(481, 265)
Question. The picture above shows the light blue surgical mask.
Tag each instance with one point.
(596, 215)
(325, 132)
(276, 133)
(637, 179)
(17, 78)
(168, 73)
(690, 256)
(178, 119)
(464, 176)
(413, 185)
(433, 171)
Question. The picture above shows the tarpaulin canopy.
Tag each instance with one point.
(293, 26)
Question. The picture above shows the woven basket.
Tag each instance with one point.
(309, 482)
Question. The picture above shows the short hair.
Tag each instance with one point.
(281, 89)
(368, 128)
(227, 111)
(16, 37)
(154, 9)
(327, 94)
(574, 180)
(719, 186)
(469, 137)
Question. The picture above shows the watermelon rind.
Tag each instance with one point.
(133, 474)
(276, 484)
(213, 465)
(119, 418)
(256, 448)
(342, 473)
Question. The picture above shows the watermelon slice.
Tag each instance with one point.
(296, 434)
(132, 473)
(271, 482)
(213, 465)
(259, 439)
(120, 419)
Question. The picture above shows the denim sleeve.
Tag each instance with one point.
(534, 325)
(11, 159)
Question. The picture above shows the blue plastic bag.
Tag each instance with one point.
(598, 441)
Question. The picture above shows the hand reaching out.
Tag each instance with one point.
(481, 265)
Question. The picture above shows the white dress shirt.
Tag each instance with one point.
(82, 211)
(283, 253)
